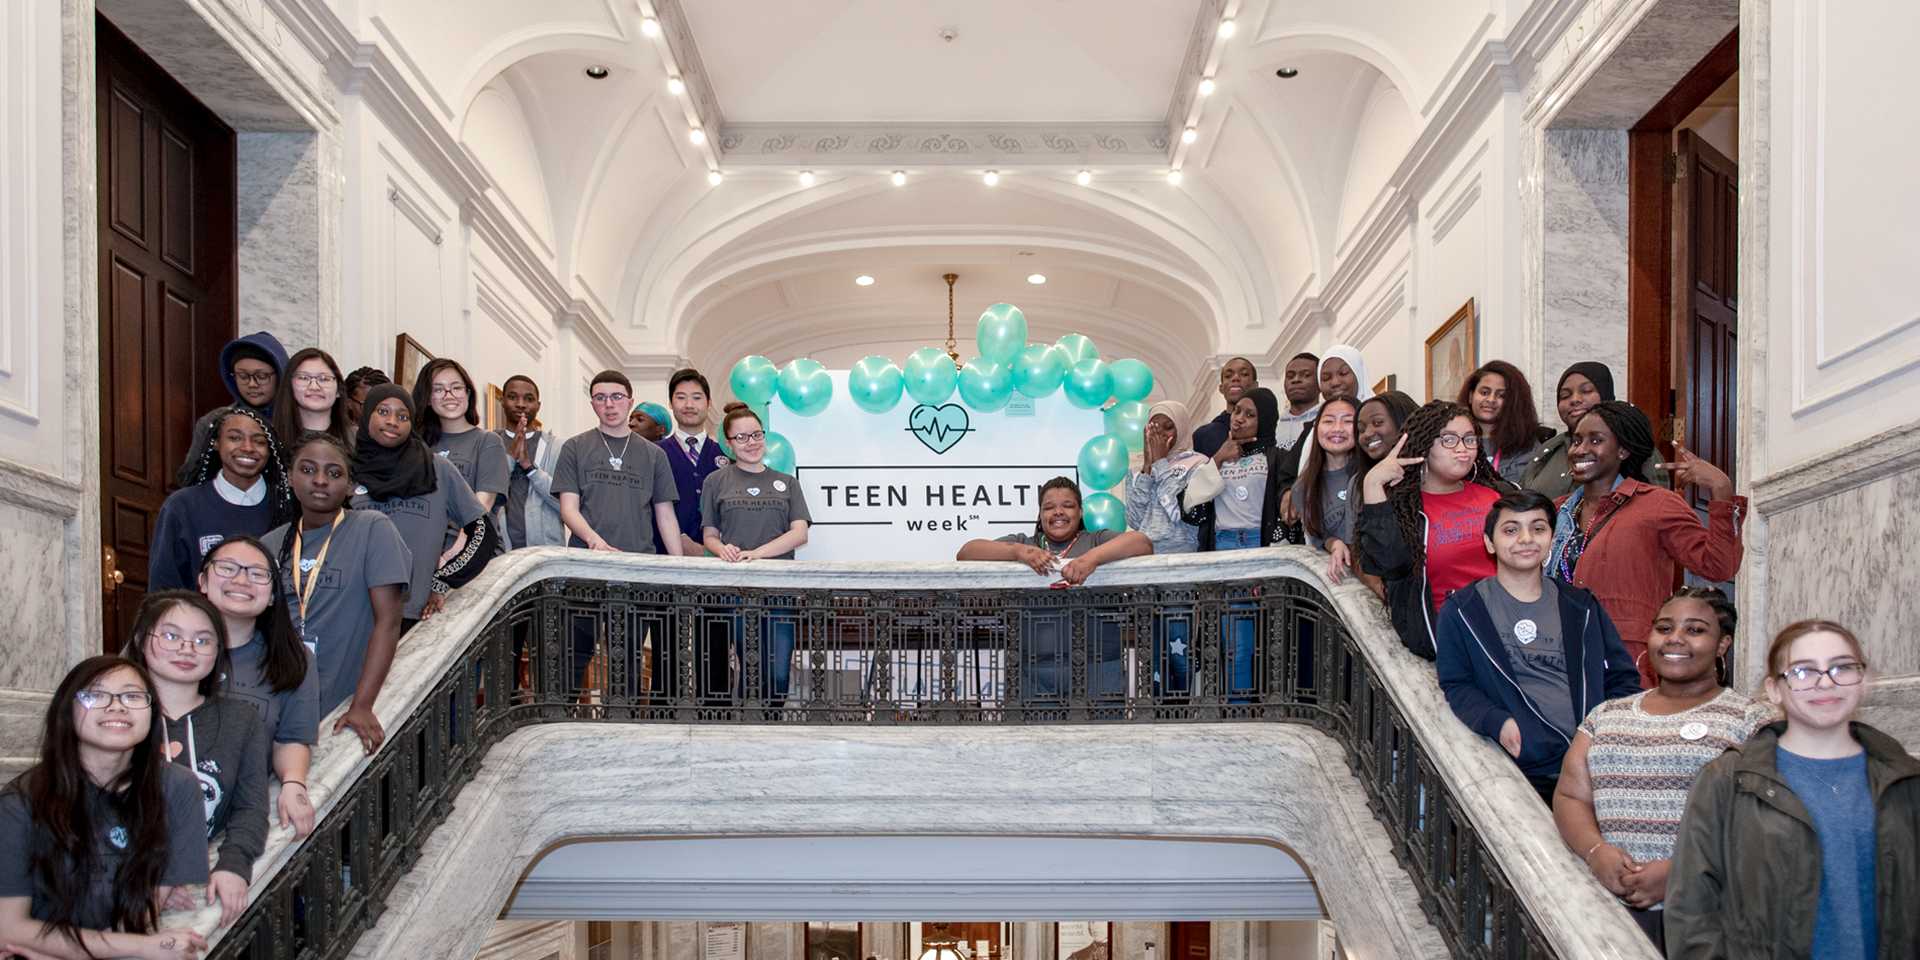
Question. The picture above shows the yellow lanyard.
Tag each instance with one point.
(319, 563)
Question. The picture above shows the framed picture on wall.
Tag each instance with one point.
(723, 940)
(833, 940)
(493, 416)
(408, 357)
(1083, 940)
(1389, 382)
(1452, 352)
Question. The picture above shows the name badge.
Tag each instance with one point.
(1693, 730)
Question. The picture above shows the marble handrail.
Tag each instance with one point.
(1576, 916)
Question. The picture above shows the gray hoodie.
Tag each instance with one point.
(224, 743)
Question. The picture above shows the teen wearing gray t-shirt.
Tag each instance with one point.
(750, 511)
(450, 427)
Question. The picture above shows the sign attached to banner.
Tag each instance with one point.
(920, 480)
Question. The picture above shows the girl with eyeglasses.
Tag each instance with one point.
(309, 398)
(181, 641)
(268, 666)
(450, 427)
(1805, 840)
(1625, 539)
(237, 486)
(1422, 518)
(102, 829)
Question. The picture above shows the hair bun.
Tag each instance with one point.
(734, 406)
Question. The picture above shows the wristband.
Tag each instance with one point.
(1588, 856)
(294, 783)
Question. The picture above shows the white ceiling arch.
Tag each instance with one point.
(1275, 49)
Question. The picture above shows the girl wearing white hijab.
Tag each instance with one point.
(1155, 491)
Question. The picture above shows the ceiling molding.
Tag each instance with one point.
(1202, 60)
(676, 31)
(1066, 145)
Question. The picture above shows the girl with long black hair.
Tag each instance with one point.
(450, 427)
(102, 829)
(270, 668)
(181, 641)
(310, 398)
(1502, 404)
(238, 485)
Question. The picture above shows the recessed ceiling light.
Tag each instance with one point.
(899, 178)
(650, 27)
(1287, 73)
(1206, 86)
(1189, 135)
(714, 177)
(806, 178)
(1083, 178)
(697, 135)
(863, 280)
(1036, 278)
(597, 72)
(992, 178)
(1173, 177)
(1227, 28)
(676, 86)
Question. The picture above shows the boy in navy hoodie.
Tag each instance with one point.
(251, 366)
(1523, 658)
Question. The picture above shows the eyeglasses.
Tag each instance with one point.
(168, 640)
(605, 398)
(228, 569)
(257, 379)
(1451, 440)
(754, 437)
(315, 379)
(1803, 677)
(448, 390)
(131, 699)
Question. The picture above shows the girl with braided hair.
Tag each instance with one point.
(237, 487)
(1421, 517)
(1625, 539)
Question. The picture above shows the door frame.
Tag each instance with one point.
(1656, 344)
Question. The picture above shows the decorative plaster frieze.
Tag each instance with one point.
(943, 144)
(1200, 61)
(677, 33)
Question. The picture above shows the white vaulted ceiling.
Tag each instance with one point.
(603, 175)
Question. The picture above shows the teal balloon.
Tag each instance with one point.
(754, 380)
(1088, 384)
(986, 385)
(875, 384)
(805, 387)
(779, 453)
(1103, 511)
(1103, 462)
(1038, 370)
(1078, 348)
(1002, 333)
(1128, 421)
(930, 376)
(1132, 380)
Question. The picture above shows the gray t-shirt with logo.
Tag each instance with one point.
(427, 523)
(292, 716)
(367, 552)
(1531, 632)
(1337, 505)
(1243, 493)
(480, 457)
(616, 500)
(751, 509)
(1077, 547)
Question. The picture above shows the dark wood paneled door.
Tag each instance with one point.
(167, 297)
(1192, 939)
(1706, 227)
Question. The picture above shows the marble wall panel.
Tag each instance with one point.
(1849, 558)
(1584, 250)
(278, 234)
(36, 656)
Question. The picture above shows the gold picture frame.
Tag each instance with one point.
(493, 416)
(408, 357)
(1453, 352)
(1386, 384)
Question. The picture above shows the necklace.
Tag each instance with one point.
(614, 461)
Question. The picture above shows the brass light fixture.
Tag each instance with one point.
(953, 346)
(940, 943)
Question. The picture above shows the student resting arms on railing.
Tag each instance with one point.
(1625, 539)
(1805, 840)
(344, 574)
(1322, 493)
(270, 667)
(1060, 543)
(99, 832)
(179, 638)
(1625, 779)
(750, 511)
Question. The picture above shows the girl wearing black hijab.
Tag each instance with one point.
(1254, 471)
(442, 523)
(1582, 387)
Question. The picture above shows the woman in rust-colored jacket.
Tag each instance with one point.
(1624, 539)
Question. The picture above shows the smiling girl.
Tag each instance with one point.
(238, 488)
(450, 427)
(1321, 495)
(309, 398)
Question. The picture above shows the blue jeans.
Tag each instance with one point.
(1238, 631)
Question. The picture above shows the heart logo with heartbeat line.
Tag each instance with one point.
(939, 427)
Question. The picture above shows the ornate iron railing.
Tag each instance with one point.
(575, 650)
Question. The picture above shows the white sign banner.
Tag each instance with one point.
(917, 482)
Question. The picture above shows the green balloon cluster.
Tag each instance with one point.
(754, 380)
(930, 376)
(1103, 511)
(875, 384)
(805, 387)
(1128, 421)
(986, 385)
(1038, 370)
(1078, 347)
(1103, 462)
(1132, 380)
(1089, 383)
(779, 453)
(1002, 333)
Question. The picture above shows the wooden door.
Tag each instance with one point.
(166, 201)
(1706, 321)
(1192, 939)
